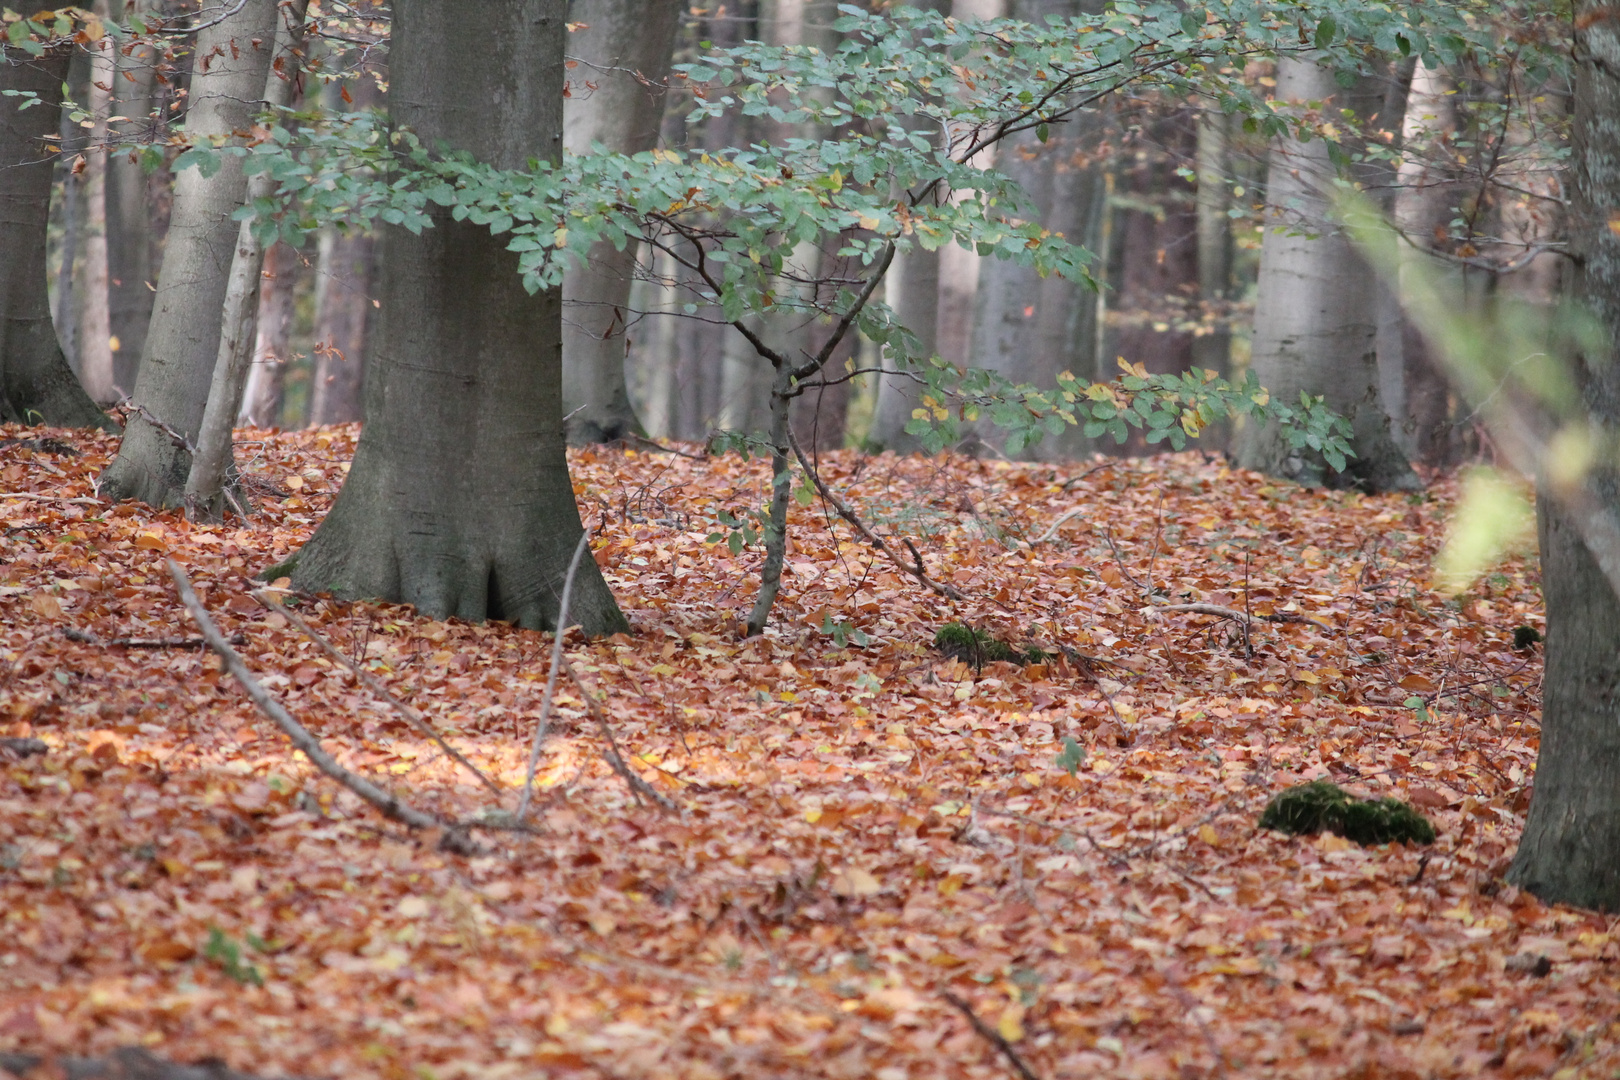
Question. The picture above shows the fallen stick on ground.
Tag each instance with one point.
(388, 804)
(638, 786)
(77, 501)
(88, 638)
(372, 683)
(1238, 616)
(992, 1036)
(950, 592)
(551, 680)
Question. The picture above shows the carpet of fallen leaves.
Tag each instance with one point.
(861, 830)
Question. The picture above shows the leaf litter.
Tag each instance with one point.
(865, 839)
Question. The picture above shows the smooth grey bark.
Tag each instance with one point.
(914, 295)
(1027, 327)
(1316, 319)
(213, 460)
(1212, 348)
(615, 98)
(1570, 851)
(459, 499)
(262, 399)
(130, 248)
(36, 383)
(345, 271)
(231, 62)
(95, 324)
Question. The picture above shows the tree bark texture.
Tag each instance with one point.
(1570, 851)
(1157, 228)
(459, 499)
(1027, 327)
(36, 384)
(95, 323)
(214, 460)
(131, 259)
(345, 275)
(171, 389)
(262, 397)
(1316, 320)
(616, 98)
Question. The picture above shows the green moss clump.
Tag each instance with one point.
(281, 569)
(978, 647)
(1320, 806)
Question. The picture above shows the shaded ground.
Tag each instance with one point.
(861, 830)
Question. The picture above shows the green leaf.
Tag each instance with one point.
(1072, 757)
(1326, 30)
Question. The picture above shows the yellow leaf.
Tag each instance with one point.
(46, 605)
(1011, 1024)
(1307, 677)
(1208, 835)
(149, 541)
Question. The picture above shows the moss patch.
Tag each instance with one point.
(979, 647)
(280, 570)
(1320, 806)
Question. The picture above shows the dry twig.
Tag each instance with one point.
(389, 805)
(1240, 617)
(551, 680)
(372, 683)
(992, 1036)
(638, 786)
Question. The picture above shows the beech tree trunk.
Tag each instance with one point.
(1025, 326)
(171, 390)
(262, 397)
(608, 104)
(459, 499)
(345, 274)
(36, 384)
(95, 323)
(1316, 320)
(1570, 852)
(130, 255)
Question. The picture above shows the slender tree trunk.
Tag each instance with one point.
(345, 275)
(36, 383)
(213, 461)
(1025, 326)
(1570, 852)
(262, 397)
(1157, 288)
(1212, 345)
(95, 320)
(70, 214)
(608, 104)
(231, 62)
(131, 279)
(1315, 325)
(459, 499)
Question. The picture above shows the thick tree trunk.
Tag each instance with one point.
(130, 256)
(1570, 852)
(1158, 226)
(345, 275)
(1025, 326)
(36, 384)
(95, 323)
(171, 390)
(459, 499)
(1316, 321)
(615, 98)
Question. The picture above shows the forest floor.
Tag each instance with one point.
(859, 833)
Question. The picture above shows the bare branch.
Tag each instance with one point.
(551, 680)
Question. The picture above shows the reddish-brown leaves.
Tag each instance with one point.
(861, 829)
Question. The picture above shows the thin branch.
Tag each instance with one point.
(86, 637)
(948, 591)
(1238, 616)
(185, 30)
(372, 683)
(551, 680)
(638, 786)
(389, 805)
(78, 501)
(991, 1036)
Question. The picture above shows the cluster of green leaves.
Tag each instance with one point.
(1164, 407)
(45, 29)
(229, 956)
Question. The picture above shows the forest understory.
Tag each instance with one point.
(857, 836)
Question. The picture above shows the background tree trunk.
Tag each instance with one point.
(1570, 852)
(227, 83)
(623, 113)
(36, 384)
(345, 275)
(95, 321)
(261, 400)
(459, 499)
(1316, 321)
(1025, 326)
(130, 235)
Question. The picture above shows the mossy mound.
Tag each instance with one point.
(1320, 806)
(978, 647)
